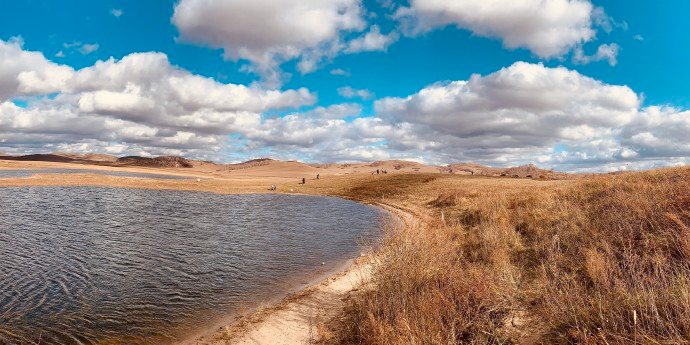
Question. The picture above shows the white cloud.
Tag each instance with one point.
(60, 54)
(340, 71)
(80, 47)
(523, 113)
(606, 22)
(515, 114)
(336, 111)
(87, 48)
(372, 41)
(117, 13)
(24, 73)
(608, 52)
(270, 32)
(547, 28)
(142, 102)
(659, 132)
(349, 92)
(638, 38)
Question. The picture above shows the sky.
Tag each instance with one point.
(571, 85)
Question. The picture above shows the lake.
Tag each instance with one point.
(93, 265)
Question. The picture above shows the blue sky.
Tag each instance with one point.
(231, 80)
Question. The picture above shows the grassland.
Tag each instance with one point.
(603, 260)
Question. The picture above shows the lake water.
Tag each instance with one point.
(87, 265)
(30, 172)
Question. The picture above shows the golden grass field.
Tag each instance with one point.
(603, 260)
(599, 260)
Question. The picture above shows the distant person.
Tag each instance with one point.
(377, 171)
(317, 176)
(304, 181)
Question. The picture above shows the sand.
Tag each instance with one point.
(293, 320)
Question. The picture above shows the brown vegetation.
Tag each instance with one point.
(158, 162)
(604, 260)
(249, 164)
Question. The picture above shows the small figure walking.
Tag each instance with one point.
(377, 171)
(304, 181)
(317, 176)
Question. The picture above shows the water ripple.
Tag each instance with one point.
(88, 265)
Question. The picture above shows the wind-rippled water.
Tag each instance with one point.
(30, 172)
(91, 265)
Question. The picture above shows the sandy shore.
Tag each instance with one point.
(296, 318)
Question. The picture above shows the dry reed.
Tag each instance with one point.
(604, 260)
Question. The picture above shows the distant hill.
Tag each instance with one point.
(39, 157)
(90, 157)
(267, 165)
(529, 170)
(249, 164)
(103, 159)
(158, 162)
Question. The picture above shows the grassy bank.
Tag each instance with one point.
(604, 260)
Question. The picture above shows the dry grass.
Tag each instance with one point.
(600, 261)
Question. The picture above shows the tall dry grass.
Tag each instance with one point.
(601, 261)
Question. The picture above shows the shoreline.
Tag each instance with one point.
(287, 316)
(293, 312)
(270, 303)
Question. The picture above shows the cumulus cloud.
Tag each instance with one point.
(547, 28)
(336, 111)
(270, 32)
(528, 113)
(142, 101)
(523, 109)
(608, 52)
(349, 92)
(373, 40)
(521, 105)
(524, 113)
(24, 73)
